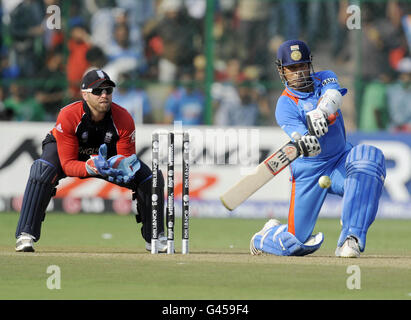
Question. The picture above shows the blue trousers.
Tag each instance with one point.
(307, 197)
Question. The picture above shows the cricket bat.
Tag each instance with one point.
(263, 173)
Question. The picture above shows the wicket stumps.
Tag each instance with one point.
(170, 209)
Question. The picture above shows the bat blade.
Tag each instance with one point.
(263, 173)
(282, 158)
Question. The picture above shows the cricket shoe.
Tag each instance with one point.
(162, 243)
(269, 224)
(24, 243)
(349, 249)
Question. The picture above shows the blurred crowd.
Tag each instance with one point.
(386, 67)
(157, 52)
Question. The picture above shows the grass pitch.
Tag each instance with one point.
(104, 257)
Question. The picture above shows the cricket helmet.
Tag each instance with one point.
(293, 52)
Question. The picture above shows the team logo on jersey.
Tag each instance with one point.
(84, 136)
(108, 137)
(328, 81)
(296, 55)
(308, 106)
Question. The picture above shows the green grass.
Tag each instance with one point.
(219, 265)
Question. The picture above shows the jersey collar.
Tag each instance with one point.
(316, 92)
(87, 111)
(298, 94)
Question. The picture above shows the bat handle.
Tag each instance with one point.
(296, 136)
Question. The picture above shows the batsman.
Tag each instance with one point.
(92, 138)
(357, 172)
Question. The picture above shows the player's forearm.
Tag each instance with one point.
(74, 168)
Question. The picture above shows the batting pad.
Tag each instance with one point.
(39, 190)
(363, 185)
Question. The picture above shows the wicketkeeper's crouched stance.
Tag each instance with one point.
(92, 138)
(357, 173)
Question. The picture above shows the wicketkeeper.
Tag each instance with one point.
(92, 138)
(357, 172)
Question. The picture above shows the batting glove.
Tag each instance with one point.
(330, 102)
(317, 123)
(309, 146)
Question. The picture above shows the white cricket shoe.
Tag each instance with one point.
(349, 249)
(269, 224)
(24, 243)
(162, 243)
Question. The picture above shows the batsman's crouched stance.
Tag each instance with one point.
(359, 180)
(357, 172)
(92, 138)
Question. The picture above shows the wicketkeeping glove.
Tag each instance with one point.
(97, 164)
(123, 168)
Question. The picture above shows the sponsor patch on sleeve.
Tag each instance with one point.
(59, 128)
(133, 137)
(328, 81)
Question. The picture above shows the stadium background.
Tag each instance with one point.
(223, 53)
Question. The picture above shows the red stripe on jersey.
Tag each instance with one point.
(291, 224)
(290, 95)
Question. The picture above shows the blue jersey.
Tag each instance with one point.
(306, 196)
(293, 105)
(357, 173)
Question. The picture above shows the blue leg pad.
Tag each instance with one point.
(363, 185)
(39, 190)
